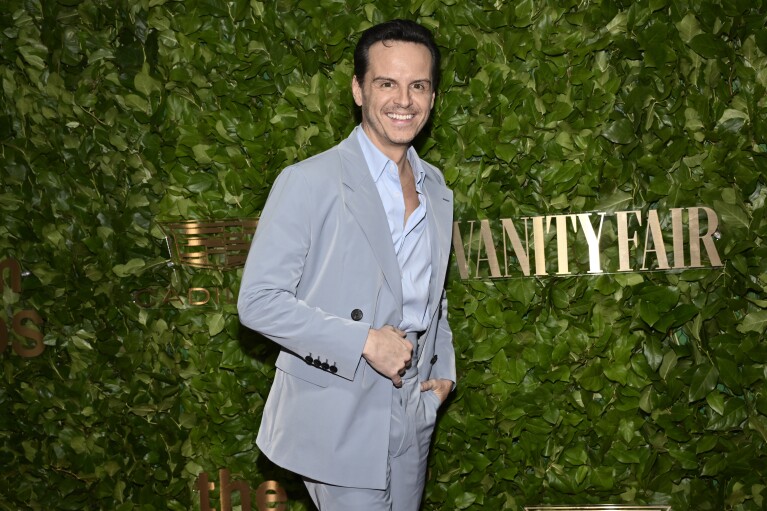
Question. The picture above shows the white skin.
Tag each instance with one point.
(396, 97)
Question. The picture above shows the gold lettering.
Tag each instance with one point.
(563, 267)
(205, 487)
(228, 486)
(654, 232)
(623, 238)
(707, 239)
(655, 253)
(539, 242)
(32, 334)
(270, 495)
(677, 229)
(460, 255)
(14, 269)
(227, 295)
(522, 254)
(139, 295)
(3, 336)
(193, 290)
(171, 295)
(592, 239)
(486, 240)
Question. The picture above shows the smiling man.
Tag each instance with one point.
(346, 273)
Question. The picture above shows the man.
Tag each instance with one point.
(346, 272)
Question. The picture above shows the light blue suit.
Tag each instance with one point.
(320, 273)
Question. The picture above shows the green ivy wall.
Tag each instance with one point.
(117, 115)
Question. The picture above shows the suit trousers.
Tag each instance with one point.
(412, 424)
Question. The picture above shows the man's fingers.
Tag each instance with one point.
(389, 352)
(440, 387)
(394, 329)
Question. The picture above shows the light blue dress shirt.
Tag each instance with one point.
(411, 240)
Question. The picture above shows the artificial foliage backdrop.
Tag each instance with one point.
(118, 116)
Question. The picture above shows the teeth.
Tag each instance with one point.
(401, 117)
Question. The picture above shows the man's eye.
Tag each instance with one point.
(387, 85)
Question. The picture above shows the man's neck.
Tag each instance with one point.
(396, 153)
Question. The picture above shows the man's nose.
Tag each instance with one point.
(404, 97)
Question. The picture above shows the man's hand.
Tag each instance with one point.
(387, 350)
(440, 387)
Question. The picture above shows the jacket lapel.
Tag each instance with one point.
(362, 199)
(439, 210)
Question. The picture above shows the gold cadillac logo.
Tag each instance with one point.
(200, 246)
(211, 244)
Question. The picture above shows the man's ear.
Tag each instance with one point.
(356, 91)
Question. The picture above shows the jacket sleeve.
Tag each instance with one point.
(267, 301)
(444, 367)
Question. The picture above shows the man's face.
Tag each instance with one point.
(396, 96)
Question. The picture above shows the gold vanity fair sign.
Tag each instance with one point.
(587, 243)
(24, 327)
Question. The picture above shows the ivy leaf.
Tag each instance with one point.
(703, 381)
(619, 132)
(716, 401)
(688, 27)
(709, 46)
(132, 267)
(615, 202)
(200, 182)
(216, 323)
(755, 321)
(465, 500)
(145, 84)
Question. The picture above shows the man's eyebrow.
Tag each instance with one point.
(387, 79)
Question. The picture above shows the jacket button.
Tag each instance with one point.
(433, 359)
(357, 314)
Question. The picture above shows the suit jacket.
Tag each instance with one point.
(320, 273)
